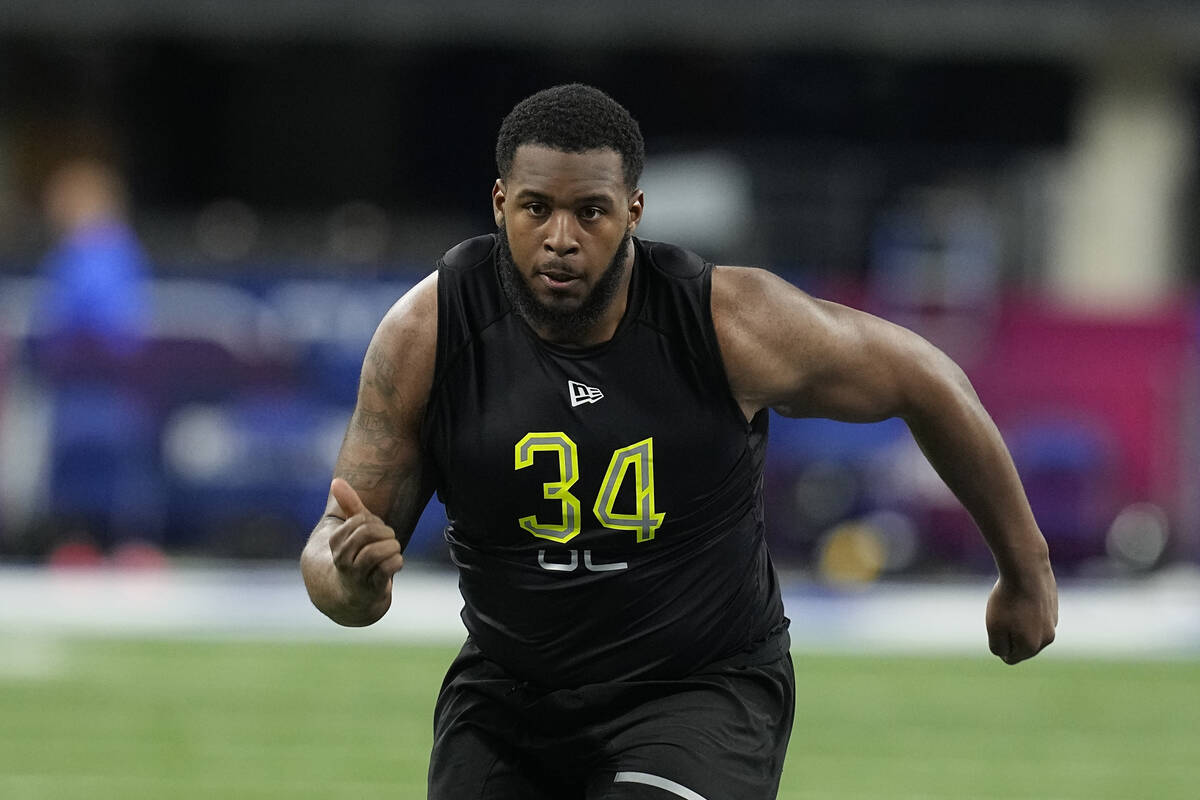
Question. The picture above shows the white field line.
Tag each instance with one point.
(1152, 618)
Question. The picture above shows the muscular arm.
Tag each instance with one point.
(381, 483)
(805, 357)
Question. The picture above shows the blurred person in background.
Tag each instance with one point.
(592, 408)
(90, 327)
(96, 274)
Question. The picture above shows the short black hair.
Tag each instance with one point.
(573, 118)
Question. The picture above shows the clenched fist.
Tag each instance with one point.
(1022, 614)
(365, 549)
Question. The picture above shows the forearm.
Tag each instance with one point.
(325, 586)
(965, 448)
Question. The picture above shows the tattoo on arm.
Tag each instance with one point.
(364, 475)
(381, 448)
(383, 373)
(378, 431)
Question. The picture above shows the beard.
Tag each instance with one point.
(565, 325)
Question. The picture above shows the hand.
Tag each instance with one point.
(1022, 614)
(365, 549)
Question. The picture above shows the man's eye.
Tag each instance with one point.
(537, 209)
(591, 212)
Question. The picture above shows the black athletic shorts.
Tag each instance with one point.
(720, 734)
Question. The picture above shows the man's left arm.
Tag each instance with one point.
(805, 357)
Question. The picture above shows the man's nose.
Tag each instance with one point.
(562, 235)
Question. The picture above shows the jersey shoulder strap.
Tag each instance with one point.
(469, 253)
(674, 260)
(469, 297)
(678, 303)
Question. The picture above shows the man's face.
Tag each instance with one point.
(566, 219)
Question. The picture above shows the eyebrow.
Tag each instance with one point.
(591, 199)
(596, 199)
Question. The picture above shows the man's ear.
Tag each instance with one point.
(498, 201)
(637, 204)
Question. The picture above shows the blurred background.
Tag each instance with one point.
(205, 208)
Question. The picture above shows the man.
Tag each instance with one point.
(97, 275)
(592, 409)
(91, 321)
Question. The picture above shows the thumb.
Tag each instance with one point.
(346, 497)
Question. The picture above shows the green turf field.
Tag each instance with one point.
(163, 719)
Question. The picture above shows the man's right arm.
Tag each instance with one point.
(381, 483)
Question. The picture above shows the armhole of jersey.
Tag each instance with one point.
(450, 270)
(714, 347)
(685, 265)
(441, 356)
(445, 279)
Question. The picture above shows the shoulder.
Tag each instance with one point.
(742, 300)
(416, 310)
(768, 332)
(733, 287)
(746, 300)
(403, 351)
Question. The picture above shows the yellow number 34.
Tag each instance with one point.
(644, 521)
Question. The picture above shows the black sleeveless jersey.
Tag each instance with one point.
(605, 503)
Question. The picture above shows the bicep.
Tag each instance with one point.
(378, 457)
(381, 454)
(806, 357)
(387, 469)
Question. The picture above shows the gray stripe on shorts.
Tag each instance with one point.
(661, 783)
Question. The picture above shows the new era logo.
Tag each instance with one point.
(581, 394)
